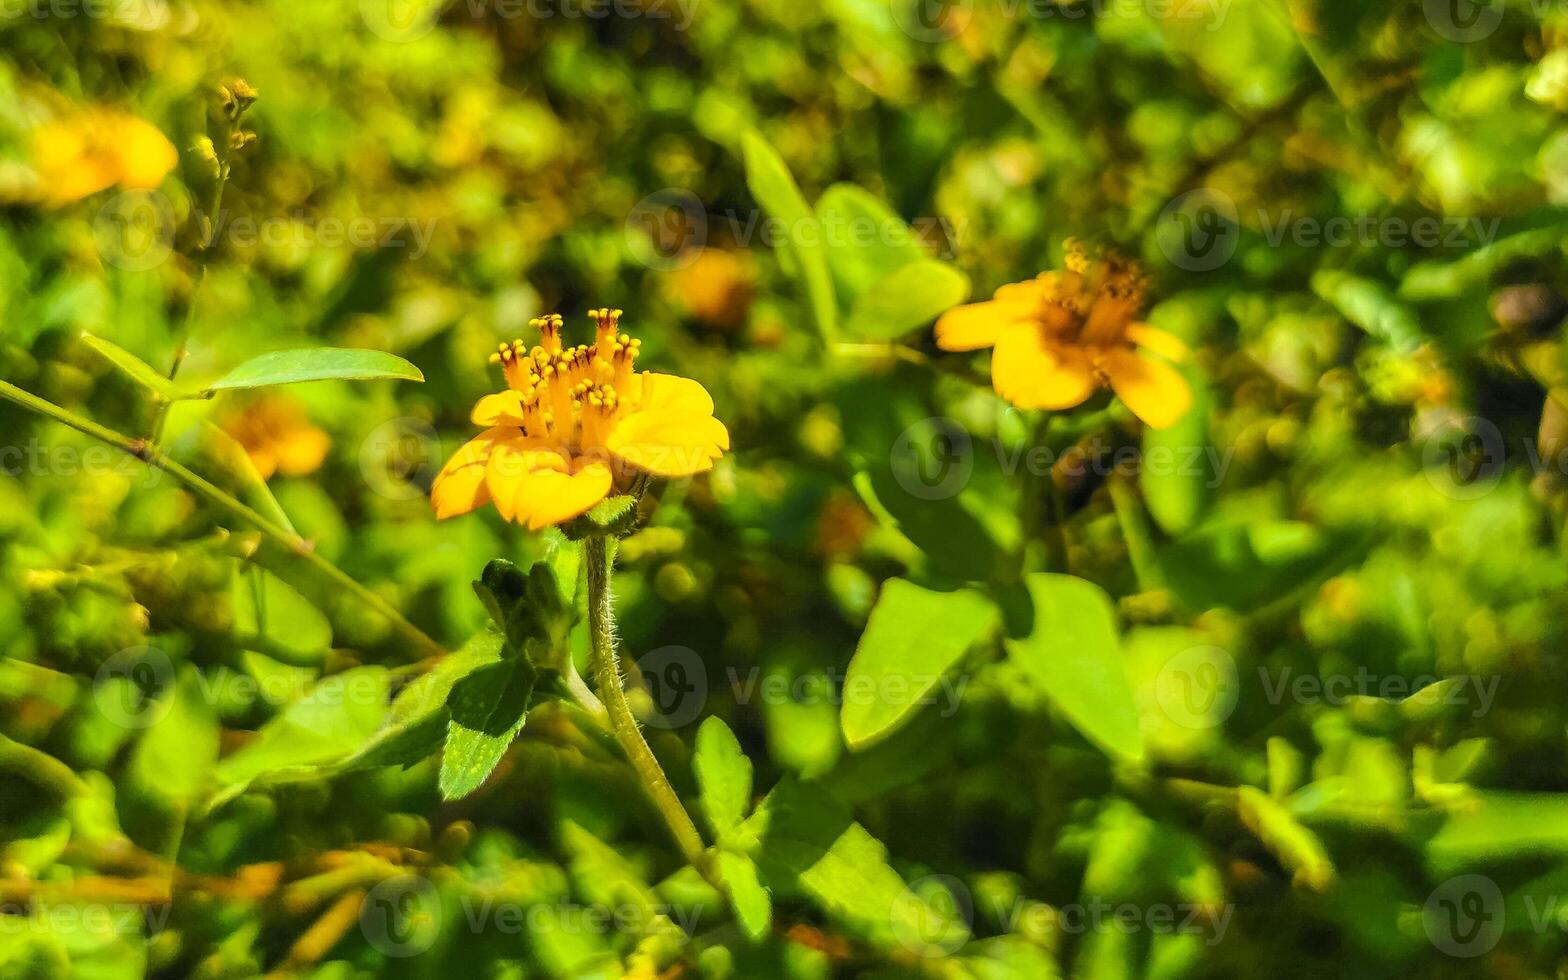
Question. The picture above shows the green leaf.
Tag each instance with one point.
(312, 735)
(774, 188)
(1491, 826)
(416, 724)
(867, 240)
(906, 299)
(809, 846)
(1243, 565)
(1177, 474)
(529, 610)
(174, 758)
(317, 364)
(488, 709)
(1074, 654)
(723, 776)
(133, 367)
(279, 621)
(914, 637)
(753, 907)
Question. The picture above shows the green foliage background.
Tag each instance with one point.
(1283, 690)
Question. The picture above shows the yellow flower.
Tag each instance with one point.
(1064, 335)
(97, 149)
(574, 425)
(278, 436)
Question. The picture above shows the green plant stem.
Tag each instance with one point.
(607, 674)
(145, 451)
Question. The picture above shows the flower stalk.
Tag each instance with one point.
(607, 675)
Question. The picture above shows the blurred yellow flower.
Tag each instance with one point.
(278, 436)
(575, 424)
(1064, 335)
(96, 149)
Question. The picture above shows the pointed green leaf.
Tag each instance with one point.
(723, 776)
(488, 709)
(906, 299)
(914, 637)
(174, 758)
(317, 364)
(1178, 474)
(774, 188)
(133, 367)
(1074, 654)
(867, 240)
(753, 908)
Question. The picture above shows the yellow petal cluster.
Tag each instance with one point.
(575, 425)
(95, 149)
(1063, 336)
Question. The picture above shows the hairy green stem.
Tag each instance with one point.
(143, 450)
(607, 674)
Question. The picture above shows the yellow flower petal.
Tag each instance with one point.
(669, 443)
(549, 497)
(1155, 391)
(979, 324)
(146, 155)
(505, 408)
(1027, 370)
(1162, 342)
(669, 392)
(460, 486)
(512, 464)
(71, 164)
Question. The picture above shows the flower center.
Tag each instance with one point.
(571, 396)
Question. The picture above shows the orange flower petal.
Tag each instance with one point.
(460, 486)
(512, 464)
(549, 497)
(669, 443)
(1155, 391)
(1162, 342)
(980, 324)
(669, 392)
(301, 451)
(1027, 370)
(505, 408)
